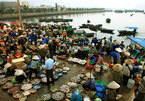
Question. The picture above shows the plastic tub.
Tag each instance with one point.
(130, 83)
(99, 87)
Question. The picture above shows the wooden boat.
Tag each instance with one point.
(55, 20)
(91, 27)
(104, 30)
(125, 32)
(89, 34)
(108, 20)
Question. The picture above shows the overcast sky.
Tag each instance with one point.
(115, 4)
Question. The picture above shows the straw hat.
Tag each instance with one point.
(140, 67)
(18, 72)
(35, 57)
(117, 67)
(63, 45)
(41, 46)
(113, 85)
(39, 40)
(7, 65)
(25, 56)
(41, 35)
(57, 40)
(128, 61)
(73, 86)
(126, 53)
(118, 49)
(46, 36)
(116, 42)
(141, 88)
(88, 75)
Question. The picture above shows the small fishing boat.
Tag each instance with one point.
(108, 20)
(104, 30)
(126, 33)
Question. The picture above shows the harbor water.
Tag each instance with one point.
(119, 21)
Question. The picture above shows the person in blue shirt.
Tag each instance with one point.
(115, 55)
(76, 95)
(90, 83)
(49, 70)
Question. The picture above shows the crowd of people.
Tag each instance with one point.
(40, 45)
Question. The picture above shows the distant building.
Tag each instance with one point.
(44, 6)
(41, 6)
(58, 8)
(8, 5)
(24, 3)
(64, 8)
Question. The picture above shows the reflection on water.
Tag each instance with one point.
(118, 22)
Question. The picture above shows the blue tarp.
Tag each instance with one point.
(139, 41)
(133, 27)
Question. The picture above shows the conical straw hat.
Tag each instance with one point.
(117, 67)
(88, 75)
(116, 42)
(63, 45)
(39, 40)
(128, 61)
(7, 65)
(35, 57)
(126, 53)
(113, 85)
(41, 46)
(19, 72)
(25, 56)
(118, 49)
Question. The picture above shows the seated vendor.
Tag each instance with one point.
(76, 94)
(27, 59)
(115, 56)
(90, 83)
(63, 49)
(20, 75)
(111, 92)
(8, 69)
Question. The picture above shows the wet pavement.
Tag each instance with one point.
(128, 94)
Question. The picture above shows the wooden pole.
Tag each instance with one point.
(19, 12)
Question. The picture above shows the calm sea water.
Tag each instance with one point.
(119, 21)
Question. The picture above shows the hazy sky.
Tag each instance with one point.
(117, 4)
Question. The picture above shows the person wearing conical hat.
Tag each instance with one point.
(115, 55)
(42, 52)
(125, 55)
(90, 83)
(117, 74)
(111, 92)
(7, 69)
(27, 59)
(34, 65)
(141, 91)
(127, 68)
(116, 44)
(20, 75)
(76, 94)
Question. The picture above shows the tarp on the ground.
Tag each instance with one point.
(139, 41)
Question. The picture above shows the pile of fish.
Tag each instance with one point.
(26, 86)
(58, 96)
(46, 96)
(8, 85)
(75, 79)
(35, 81)
(77, 60)
(64, 88)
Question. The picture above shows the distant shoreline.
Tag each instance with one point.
(26, 15)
